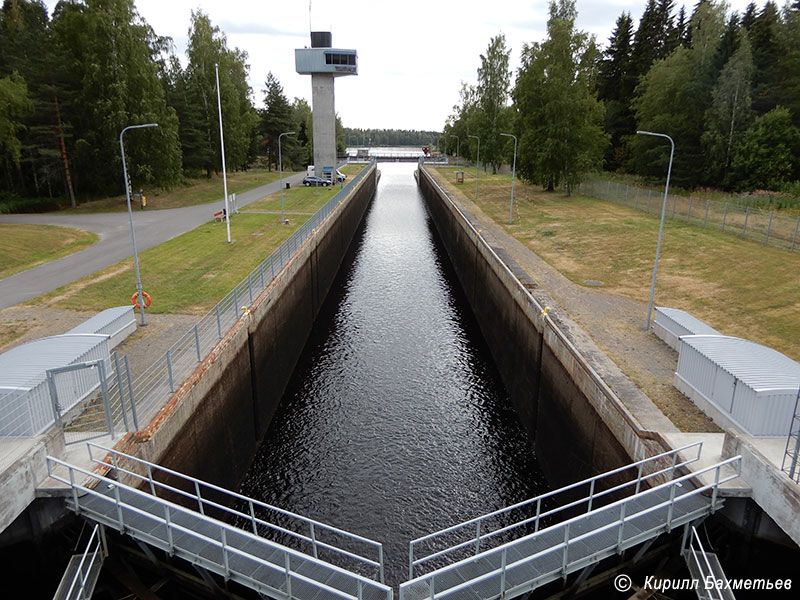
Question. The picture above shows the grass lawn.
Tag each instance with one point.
(737, 286)
(188, 274)
(301, 199)
(25, 246)
(194, 191)
(192, 272)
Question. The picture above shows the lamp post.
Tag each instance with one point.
(280, 170)
(661, 225)
(513, 176)
(458, 145)
(222, 151)
(477, 159)
(140, 295)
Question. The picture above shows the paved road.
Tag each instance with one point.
(152, 228)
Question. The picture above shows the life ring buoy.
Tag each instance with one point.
(135, 299)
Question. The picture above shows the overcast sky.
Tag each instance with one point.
(412, 54)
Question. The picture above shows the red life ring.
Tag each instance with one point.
(135, 299)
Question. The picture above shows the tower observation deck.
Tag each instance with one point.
(324, 63)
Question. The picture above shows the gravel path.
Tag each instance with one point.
(142, 347)
(615, 324)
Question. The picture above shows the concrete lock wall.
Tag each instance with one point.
(212, 425)
(579, 425)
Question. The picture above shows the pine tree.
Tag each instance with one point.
(651, 41)
(749, 16)
(275, 119)
(764, 39)
(560, 119)
(789, 91)
(27, 47)
(673, 98)
(109, 50)
(14, 103)
(615, 85)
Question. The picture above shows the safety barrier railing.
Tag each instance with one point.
(135, 400)
(467, 538)
(501, 571)
(87, 569)
(700, 566)
(769, 227)
(237, 554)
(791, 456)
(151, 387)
(209, 497)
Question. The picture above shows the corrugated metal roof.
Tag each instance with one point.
(687, 321)
(25, 366)
(755, 365)
(101, 319)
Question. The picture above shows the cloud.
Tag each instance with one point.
(251, 28)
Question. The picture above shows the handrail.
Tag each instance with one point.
(589, 500)
(710, 570)
(362, 583)
(79, 579)
(313, 525)
(566, 566)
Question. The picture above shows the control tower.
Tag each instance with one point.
(324, 63)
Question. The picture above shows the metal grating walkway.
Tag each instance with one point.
(263, 565)
(522, 565)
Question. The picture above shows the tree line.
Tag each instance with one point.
(389, 137)
(724, 86)
(70, 82)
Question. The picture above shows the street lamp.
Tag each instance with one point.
(513, 176)
(222, 151)
(280, 169)
(458, 145)
(477, 159)
(140, 295)
(661, 226)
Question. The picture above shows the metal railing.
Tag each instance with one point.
(134, 401)
(700, 567)
(263, 565)
(769, 227)
(467, 538)
(791, 456)
(207, 497)
(569, 546)
(81, 586)
(151, 388)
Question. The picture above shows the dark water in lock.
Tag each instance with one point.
(395, 423)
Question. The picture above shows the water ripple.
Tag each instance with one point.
(395, 423)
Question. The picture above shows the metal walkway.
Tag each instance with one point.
(596, 522)
(269, 566)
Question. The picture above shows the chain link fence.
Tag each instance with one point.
(768, 227)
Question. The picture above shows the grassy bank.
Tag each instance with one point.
(737, 286)
(26, 246)
(190, 193)
(192, 272)
(300, 199)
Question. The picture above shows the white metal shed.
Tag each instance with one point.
(26, 408)
(118, 322)
(672, 323)
(739, 382)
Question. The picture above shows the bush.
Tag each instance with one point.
(12, 203)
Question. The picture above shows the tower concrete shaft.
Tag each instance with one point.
(322, 101)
